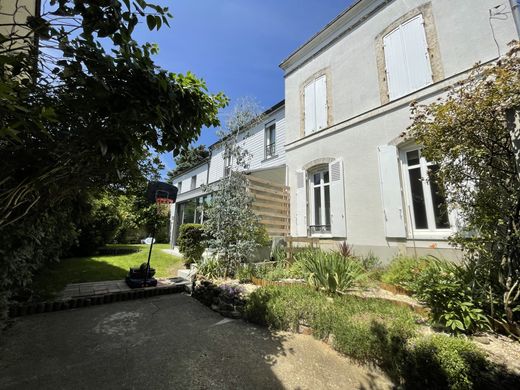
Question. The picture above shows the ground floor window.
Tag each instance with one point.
(319, 205)
(428, 209)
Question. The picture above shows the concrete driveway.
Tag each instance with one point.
(167, 342)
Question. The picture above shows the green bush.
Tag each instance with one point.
(331, 271)
(211, 268)
(442, 362)
(245, 272)
(403, 271)
(191, 242)
(378, 332)
(442, 287)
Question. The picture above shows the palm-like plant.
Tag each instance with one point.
(332, 272)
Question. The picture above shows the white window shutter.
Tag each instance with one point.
(337, 199)
(310, 108)
(321, 102)
(301, 204)
(396, 73)
(417, 56)
(391, 191)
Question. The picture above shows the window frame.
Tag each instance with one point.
(321, 169)
(228, 162)
(269, 147)
(193, 183)
(432, 231)
(313, 81)
(179, 186)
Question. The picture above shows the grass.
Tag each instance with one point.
(53, 279)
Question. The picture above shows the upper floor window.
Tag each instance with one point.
(270, 141)
(179, 186)
(227, 163)
(407, 58)
(193, 184)
(315, 96)
(428, 205)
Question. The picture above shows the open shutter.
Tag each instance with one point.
(301, 204)
(321, 102)
(396, 73)
(337, 199)
(417, 56)
(310, 108)
(391, 192)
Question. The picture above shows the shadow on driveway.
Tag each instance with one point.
(166, 342)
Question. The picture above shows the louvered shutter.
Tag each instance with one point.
(301, 204)
(417, 57)
(337, 199)
(391, 191)
(321, 102)
(310, 108)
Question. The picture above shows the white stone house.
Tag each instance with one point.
(265, 144)
(347, 97)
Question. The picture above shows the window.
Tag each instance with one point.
(179, 186)
(407, 58)
(428, 206)
(270, 141)
(319, 194)
(315, 96)
(227, 163)
(193, 184)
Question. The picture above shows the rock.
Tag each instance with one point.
(481, 339)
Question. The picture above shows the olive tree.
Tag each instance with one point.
(229, 221)
(473, 136)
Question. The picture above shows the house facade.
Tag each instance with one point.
(265, 143)
(348, 92)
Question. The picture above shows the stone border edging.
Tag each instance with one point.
(19, 310)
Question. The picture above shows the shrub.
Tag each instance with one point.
(331, 271)
(403, 270)
(375, 331)
(442, 287)
(245, 272)
(211, 268)
(191, 242)
(345, 249)
(442, 362)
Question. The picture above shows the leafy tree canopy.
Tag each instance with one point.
(472, 135)
(187, 159)
(83, 110)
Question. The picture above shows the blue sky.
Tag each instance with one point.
(237, 45)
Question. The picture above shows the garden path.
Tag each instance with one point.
(167, 342)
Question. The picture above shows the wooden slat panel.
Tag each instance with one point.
(274, 215)
(274, 223)
(267, 182)
(254, 189)
(277, 231)
(260, 205)
(270, 198)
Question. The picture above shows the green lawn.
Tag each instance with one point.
(55, 277)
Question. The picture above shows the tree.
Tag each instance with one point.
(187, 159)
(229, 220)
(469, 135)
(83, 106)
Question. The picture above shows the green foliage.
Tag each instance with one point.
(470, 134)
(378, 332)
(261, 236)
(331, 271)
(245, 272)
(370, 261)
(442, 362)
(403, 271)
(211, 268)
(76, 118)
(192, 242)
(442, 287)
(187, 159)
(229, 220)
